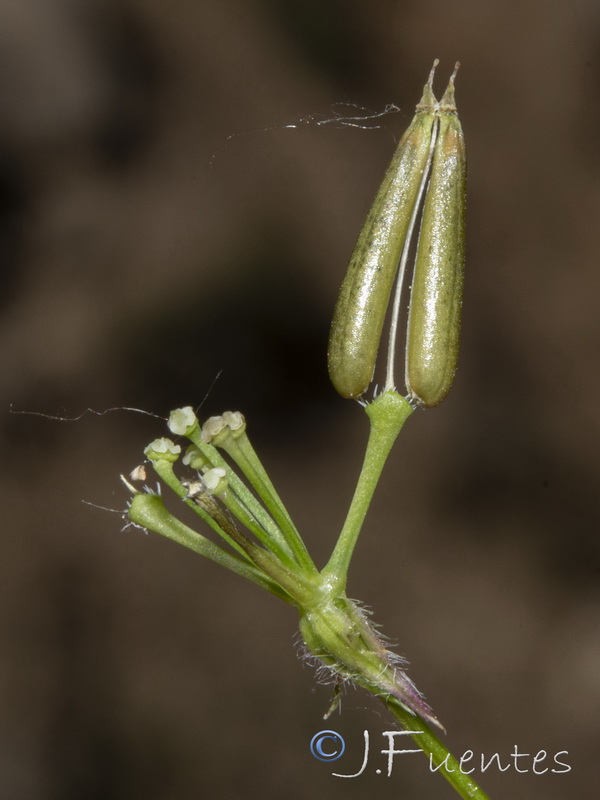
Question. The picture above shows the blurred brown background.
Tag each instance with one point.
(146, 246)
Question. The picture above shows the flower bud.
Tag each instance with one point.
(195, 459)
(182, 421)
(215, 481)
(162, 450)
(217, 429)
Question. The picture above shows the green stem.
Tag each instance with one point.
(278, 542)
(241, 451)
(387, 413)
(149, 511)
(164, 470)
(231, 501)
(297, 585)
(436, 752)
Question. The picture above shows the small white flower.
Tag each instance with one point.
(212, 477)
(182, 420)
(162, 446)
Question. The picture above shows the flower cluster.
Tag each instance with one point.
(260, 542)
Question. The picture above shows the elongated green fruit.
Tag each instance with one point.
(436, 294)
(361, 307)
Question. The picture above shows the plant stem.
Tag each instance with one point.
(436, 751)
(241, 451)
(148, 511)
(387, 413)
(164, 470)
(278, 537)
